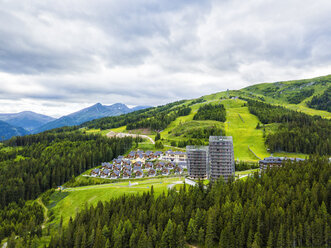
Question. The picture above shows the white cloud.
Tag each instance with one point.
(57, 57)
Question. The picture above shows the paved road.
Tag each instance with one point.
(121, 135)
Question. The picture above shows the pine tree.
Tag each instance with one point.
(191, 233)
(99, 238)
(11, 241)
(201, 236)
(257, 240)
(211, 228)
(270, 240)
(134, 239)
(118, 237)
(143, 240)
(280, 239)
(168, 238)
(180, 237)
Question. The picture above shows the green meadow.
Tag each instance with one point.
(68, 202)
(241, 125)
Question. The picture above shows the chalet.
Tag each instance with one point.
(136, 168)
(105, 165)
(138, 163)
(126, 167)
(149, 154)
(148, 165)
(95, 172)
(165, 172)
(126, 174)
(151, 172)
(170, 165)
(271, 162)
(131, 155)
(120, 157)
(126, 162)
(178, 170)
(105, 173)
(139, 154)
(115, 174)
(110, 167)
(139, 174)
(117, 167)
(117, 161)
(160, 165)
(140, 157)
(157, 154)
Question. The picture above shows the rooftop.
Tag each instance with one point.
(220, 138)
(197, 148)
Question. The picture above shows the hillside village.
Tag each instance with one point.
(139, 164)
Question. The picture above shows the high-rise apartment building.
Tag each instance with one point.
(212, 161)
(221, 157)
(197, 162)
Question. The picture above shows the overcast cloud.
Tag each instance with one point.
(57, 57)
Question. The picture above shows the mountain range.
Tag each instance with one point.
(26, 119)
(27, 122)
(87, 114)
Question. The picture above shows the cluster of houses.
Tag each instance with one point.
(138, 164)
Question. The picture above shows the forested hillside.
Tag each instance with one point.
(297, 132)
(285, 207)
(321, 102)
(293, 92)
(32, 164)
(211, 112)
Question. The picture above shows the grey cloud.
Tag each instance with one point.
(152, 52)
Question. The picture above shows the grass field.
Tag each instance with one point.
(241, 125)
(68, 202)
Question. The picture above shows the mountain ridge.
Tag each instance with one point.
(7, 131)
(93, 112)
(28, 120)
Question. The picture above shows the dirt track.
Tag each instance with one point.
(121, 135)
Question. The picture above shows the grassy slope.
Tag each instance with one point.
(288, 88)
(68, 202)
(244, 133)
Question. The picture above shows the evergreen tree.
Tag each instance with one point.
(191, 233)
(270, 240)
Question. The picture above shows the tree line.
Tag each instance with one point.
(297, 132)
(282, 207)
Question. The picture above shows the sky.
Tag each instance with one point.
(57, 57)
